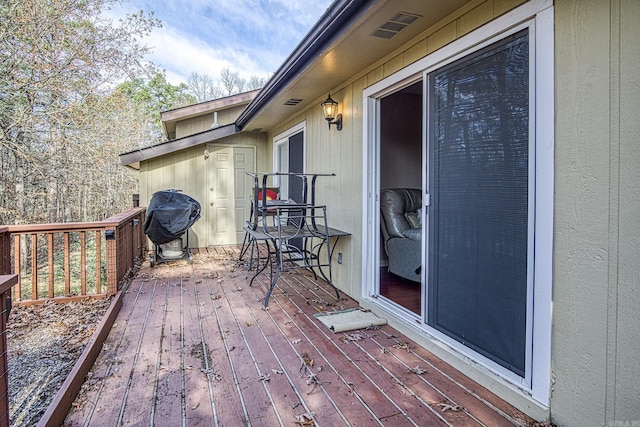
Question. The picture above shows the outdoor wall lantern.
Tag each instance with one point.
(330, 110)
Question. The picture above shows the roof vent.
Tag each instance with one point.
(293, 101)
(394, 25)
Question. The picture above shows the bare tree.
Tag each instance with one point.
(203, 87)
(255, 82)
(59, 60)
(231, 81)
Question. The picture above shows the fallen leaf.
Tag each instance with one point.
(417, 370)
(447, 407)
(402, 346)
(305, 419)
(264, 377)
(306, 360)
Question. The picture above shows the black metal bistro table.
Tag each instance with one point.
(299, 235)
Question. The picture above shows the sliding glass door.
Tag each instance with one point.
(479, 180)
(486, 165)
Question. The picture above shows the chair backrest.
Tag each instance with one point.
(394, 203)
(273, 193)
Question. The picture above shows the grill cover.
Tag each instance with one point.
(169, 215)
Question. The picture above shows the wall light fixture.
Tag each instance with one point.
(330, 110)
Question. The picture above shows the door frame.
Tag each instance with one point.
(536, 15)
(283, 138)
(248, 185)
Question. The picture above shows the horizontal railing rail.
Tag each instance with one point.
(65, 261)
(76, 260)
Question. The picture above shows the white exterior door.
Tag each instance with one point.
(229, 193)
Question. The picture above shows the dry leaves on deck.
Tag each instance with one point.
(44, 342)
(305, 419)
(446, 407)
(402, 346)
(417, 370)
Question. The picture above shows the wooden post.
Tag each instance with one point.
(6, 282)
(52, 278)
(34, 266)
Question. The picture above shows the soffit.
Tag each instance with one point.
(351, 53)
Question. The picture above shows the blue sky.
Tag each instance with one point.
(252, 37)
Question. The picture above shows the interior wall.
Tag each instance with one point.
(401, 141)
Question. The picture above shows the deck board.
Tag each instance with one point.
(193, 345)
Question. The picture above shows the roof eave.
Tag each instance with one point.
(328, 28)
(135, 157)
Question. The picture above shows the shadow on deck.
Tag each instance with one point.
(193, 345)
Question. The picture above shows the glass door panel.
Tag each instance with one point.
(478, 222)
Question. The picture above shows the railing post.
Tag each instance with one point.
(110, 235)
(5, 251)
(6, 282)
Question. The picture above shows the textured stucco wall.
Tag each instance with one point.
(596, 292)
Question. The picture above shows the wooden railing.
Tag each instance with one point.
(116, 244)
(6, 282)
(66, 261)
(5, 251)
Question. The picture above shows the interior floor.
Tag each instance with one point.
(399, 290)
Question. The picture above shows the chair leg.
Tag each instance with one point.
(274, 277)
(245, 246)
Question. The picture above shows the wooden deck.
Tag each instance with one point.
(193, 346)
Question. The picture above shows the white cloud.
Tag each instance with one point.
(252, 37)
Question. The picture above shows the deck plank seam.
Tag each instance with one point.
(349, 359)
(323, 388)
(427, 382)
(152, 411)
(205, 356)
(355, 364)
(462, 386)
(183, 391)
(225, 342)
(402, 384)
(125, 397)
(112, 363)
(283, 368)
(253, 358)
